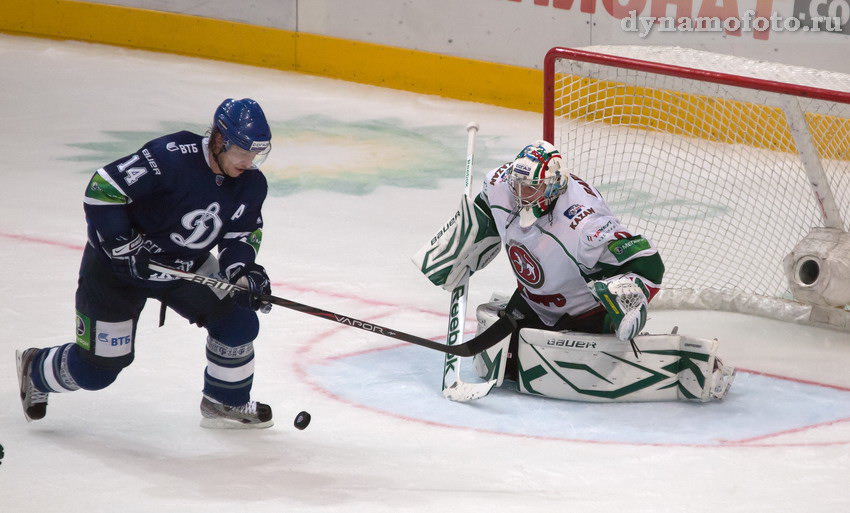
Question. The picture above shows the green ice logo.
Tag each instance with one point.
(624, 199)
(324, 153)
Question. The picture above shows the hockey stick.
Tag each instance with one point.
(488, 338)
(454, 388)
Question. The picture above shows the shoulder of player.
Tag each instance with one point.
(251, 186)
(497, 174)
(177, 144)
(157, 159)
(173, 152)
(577, 186)
(255, 180)
(582, 217)
(581, 200)
(495, 185)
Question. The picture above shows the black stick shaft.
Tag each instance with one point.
(487, 339)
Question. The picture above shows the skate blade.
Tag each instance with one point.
(220, 423)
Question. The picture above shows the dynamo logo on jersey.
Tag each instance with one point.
(205, 225)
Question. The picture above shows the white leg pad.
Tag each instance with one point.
(491, 363)
(602, 368)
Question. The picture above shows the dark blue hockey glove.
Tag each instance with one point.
(129, 256)
(254, 278)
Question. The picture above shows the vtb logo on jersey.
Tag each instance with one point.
(526, 267)
(205, 225)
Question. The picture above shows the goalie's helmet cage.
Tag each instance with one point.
(242, 123)
(536, 180)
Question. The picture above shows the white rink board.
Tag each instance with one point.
(519, 32)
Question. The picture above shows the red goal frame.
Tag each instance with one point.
(665, 69)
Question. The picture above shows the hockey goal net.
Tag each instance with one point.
(725, 163)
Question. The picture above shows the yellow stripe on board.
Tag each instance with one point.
(421, 72)
(152, 30)
(711, 118)
(397, 68)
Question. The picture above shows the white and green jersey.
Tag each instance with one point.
(580, 239)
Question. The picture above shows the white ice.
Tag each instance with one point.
(361, 177)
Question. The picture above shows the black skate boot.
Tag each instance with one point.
(33, 400)
(250, 415)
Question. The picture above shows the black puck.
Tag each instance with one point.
(302, 420)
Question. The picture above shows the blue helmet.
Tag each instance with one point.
(243, 123)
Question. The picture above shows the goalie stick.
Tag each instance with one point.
(454, 388)
(487, 339)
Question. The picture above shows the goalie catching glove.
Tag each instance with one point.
(626, 298)
(466, 243)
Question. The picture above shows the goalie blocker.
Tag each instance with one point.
(602, 368)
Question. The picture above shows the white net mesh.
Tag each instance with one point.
(714, 174)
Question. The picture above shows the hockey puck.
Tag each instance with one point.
(302, 420)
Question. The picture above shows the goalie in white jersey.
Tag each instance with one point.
(577, 269)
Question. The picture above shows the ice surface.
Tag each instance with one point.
(360, 178)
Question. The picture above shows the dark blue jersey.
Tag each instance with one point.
(167, 192)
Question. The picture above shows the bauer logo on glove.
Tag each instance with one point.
(466, 243)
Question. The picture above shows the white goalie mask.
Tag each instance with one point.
(536, 181)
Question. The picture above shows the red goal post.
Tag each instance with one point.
(712, 157)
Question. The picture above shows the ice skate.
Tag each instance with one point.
(251, 415)
(33, 401)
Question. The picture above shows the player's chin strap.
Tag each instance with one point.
(488, 338)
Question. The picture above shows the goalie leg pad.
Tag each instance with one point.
(492, 362)
(601, 368)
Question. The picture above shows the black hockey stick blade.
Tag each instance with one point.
(490, 337)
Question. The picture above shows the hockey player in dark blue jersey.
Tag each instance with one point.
(171, 203)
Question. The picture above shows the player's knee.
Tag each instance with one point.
(240, 327)
(88, 370)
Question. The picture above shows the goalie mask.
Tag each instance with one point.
(536, 181)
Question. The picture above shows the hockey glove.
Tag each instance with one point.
(254, 278)
(626, 298)
(128, 256)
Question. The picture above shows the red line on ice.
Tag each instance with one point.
(307, 345)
